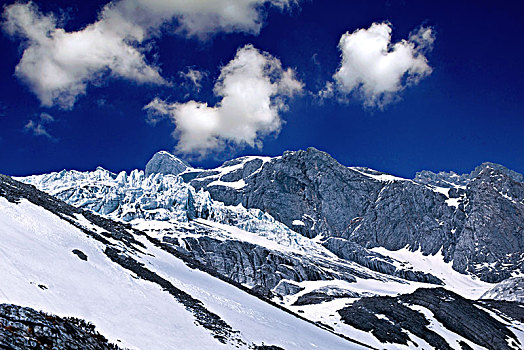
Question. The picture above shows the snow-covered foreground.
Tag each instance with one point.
(39, 270)
(256, 320)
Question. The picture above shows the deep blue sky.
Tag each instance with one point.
(469, 110)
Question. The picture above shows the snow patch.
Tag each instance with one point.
(235, 184)
(465, 285)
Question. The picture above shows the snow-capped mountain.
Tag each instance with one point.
(390, 262)
(477, 226)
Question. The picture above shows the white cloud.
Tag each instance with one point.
(38, 127)
(46, 118)
(200, 18)
(375, 69)
(424, 37)
(253, 87)
(58, 66)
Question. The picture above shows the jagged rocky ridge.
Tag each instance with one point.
(165, 163)
(167, 199)
(475, 221)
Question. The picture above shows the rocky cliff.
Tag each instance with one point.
(475, 220)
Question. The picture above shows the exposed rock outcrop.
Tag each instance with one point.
(26, 328)
(388, 318)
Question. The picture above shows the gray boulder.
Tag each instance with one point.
(393, 320)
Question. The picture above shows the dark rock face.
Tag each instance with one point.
(268, 347)
(406, 213)
(460, 315)
(165, 163)
(26, 328)
(81, 255)
(386, 319)
(442, 179)
(463, 317)
(311, 187)
(478, 223)
(287, 288)
(262, 292)
(257, 266)
(324, 294)
(505, 309)
(493, 231)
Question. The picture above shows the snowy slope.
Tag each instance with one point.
(466, 285)
(37, 249)
(39, 270)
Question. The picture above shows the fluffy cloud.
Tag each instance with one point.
(253, 88)
(375, 69)
(199, 18)
(38, 127)
(58, 66)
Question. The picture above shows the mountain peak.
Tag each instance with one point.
(164, 162)
(500, 168)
